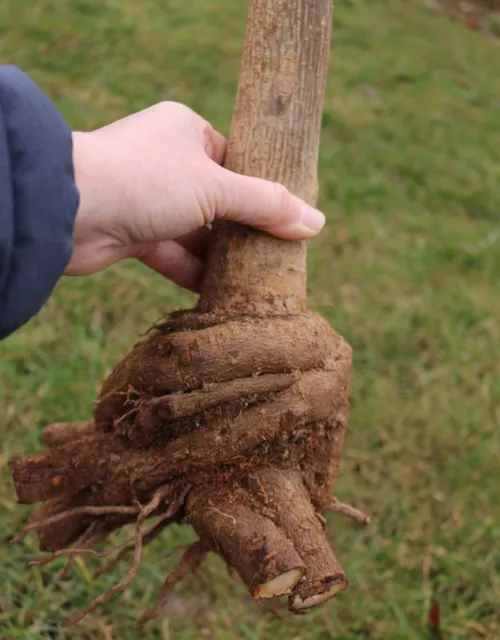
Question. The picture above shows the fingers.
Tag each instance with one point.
(196, 242)
(258, 203)
(267, 206)
(214, 143)
(172, 261)
(190, 125)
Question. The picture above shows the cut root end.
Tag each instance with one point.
(299, 604)
(280, 586)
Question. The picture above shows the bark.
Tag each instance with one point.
(64, 470)
(251, 543)
(287, 502)
(227, 437)
(187, 360)
(63, 432)
(232, 416)
(275, 135)
(188, 404)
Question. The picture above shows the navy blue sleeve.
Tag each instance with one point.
(38, 198)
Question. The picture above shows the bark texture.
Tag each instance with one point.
(274, 135)
(229, 417)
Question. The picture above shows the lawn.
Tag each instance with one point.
(408, 270)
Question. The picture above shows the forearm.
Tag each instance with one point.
(38, 198)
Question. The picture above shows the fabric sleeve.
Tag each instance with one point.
(38, 198)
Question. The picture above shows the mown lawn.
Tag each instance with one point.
(408, 271)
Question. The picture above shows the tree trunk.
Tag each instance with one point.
(275, 135)
(229, 417)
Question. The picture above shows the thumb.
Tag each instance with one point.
(267, 206)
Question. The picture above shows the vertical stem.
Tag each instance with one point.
(274, 135)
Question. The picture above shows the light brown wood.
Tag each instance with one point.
(275, 135)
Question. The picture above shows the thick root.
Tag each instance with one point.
(287, 502)
(64, 470)
(227, 437)
(265, 559)
(63, 432)
(183, 361)
(236, 429)
(188, 404)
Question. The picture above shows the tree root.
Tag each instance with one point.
(154, 531)
(248, 461)
(189, 563)
(286, 500)
(146, 511)
(62, 432)
(85, 541)
(120, 586)
(78, 511)
(260, 552)
(343, 509)
(227, 436)
(189, 404)
(79, 551)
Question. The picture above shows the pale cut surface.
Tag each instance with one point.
(280, 586)
(301, 605)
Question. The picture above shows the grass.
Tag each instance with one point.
(408, 271)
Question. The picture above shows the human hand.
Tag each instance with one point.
(151, 182)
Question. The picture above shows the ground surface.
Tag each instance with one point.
(408, 271)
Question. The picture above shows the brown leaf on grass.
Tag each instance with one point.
(434, 620)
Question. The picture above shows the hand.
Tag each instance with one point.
(151, 182)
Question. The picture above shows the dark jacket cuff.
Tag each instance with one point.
(38, 198)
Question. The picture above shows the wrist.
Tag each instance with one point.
(96, 237)
(93, 178)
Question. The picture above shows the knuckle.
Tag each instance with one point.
(166, 105)
(170, 107)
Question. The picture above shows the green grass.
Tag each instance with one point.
(408, 271)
